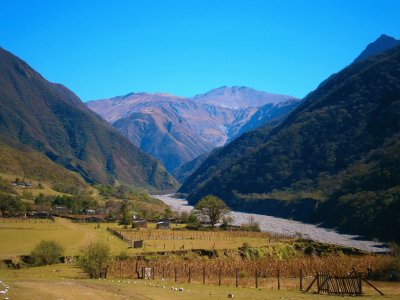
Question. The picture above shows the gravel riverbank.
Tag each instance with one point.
(288, 227)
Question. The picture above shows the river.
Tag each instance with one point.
(287, 227)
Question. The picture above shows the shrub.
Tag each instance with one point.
(95, 259)
(243, 274)
(46, 253)
(389, 271)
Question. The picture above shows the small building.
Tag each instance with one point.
(39, 215)
(163, 225)
(139, 223)
(93, 219)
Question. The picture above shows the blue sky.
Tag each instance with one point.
(102, 49)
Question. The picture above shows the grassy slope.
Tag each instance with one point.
(32, 165)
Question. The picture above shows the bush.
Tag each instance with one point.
(243, 274)
(46, 253)
(95, 259)
(390, 271)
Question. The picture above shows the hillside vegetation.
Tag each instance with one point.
(52, 120)
(339, 146)
(26, 163)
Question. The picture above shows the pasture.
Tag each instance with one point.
(19, 237)
(68, 282)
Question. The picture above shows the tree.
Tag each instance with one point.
(226, 221)
(46, 253)
(126, 218)
(95, 259)
(168, 213)
(213, 208)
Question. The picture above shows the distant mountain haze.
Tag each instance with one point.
(177, 130)
(52, 120)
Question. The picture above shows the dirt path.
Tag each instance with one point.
(71, 290)
(89, 234)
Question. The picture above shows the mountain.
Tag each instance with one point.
(184, 171)
(173, 129)
(383, 43)
(239, 97)
(176, 130)
(337, 152)
(267, 113)
(52, 120)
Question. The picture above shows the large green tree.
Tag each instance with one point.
(213, 208)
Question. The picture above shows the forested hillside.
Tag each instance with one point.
(51, 119)
(338, 150)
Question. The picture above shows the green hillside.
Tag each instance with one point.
(340, 146)
(31, 165)
(52, 120)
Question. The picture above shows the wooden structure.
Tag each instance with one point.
(163, 225)
(350, 285)
(138, 244)
(139, 223)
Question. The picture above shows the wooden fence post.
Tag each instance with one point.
(236, 273)
(204, 275)
(153, 273)
(163, 272)
(301, 279)
(190, 273)
(279, 279)
(318, 282)
(256, 279)
(175, 271)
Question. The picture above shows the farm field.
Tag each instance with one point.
(159, 240)
(68, 282)
(20, 237)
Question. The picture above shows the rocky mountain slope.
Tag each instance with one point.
(336, 153)
(52, 120)
(176, 130)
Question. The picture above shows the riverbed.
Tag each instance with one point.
(288, 227)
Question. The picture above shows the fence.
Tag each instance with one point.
(271, 279)
(241, 273)
(350, 285)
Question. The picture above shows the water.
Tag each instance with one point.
(287, 227)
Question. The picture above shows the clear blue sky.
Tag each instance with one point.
(106, 48)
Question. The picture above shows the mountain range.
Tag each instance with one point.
(334, 159)
(37, 116)
(177, 130)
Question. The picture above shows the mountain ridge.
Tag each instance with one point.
(175, 129)
(51, 119)
(381, 44)
(287, 169)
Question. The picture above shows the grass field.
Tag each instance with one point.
(20, 237)
(68, 282)
(64, 281)
(159, 240)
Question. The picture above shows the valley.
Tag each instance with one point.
(177, 130)
(288, 227)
